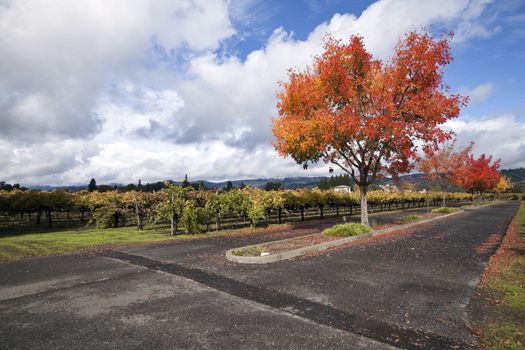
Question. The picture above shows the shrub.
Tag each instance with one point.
(343, 230)
(445, 210)
(250, 251)
(411, 218)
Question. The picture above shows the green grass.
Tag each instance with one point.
(510, 282)
(504, 336)
(344, 230)
(445, 210)
(250, 251)
(21, 246)
(411, 218)
(54, 243)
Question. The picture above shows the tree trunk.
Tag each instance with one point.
(279, 215)
(321, 212)
(140, 217)
(218, 224)
(38, 216)
(337, 210)
(82, 215)
(443, 204)
(364, 205)
(116, 219)
(173, 229)
(49, 220)
(302, 213)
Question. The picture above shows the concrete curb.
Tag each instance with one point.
(290, 254)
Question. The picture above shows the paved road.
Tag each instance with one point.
(409, 290)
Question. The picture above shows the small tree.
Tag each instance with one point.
(186, 183)
(364, 115)
(503, 185)
(476, 174)
(172, 207)
(440, 164)
(92, 185)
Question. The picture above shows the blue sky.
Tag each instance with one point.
(156, 89)
(495, 59)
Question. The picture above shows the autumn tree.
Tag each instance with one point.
(440, 164)
(477, 174)
(364, 115)
(173, 206)
(141, 203)
(503, 185)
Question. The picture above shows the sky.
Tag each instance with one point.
(121, 90)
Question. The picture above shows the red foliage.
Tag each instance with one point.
(365, 115)
(476, 175)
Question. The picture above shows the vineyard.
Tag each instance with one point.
(186, 210)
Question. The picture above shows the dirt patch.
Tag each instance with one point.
(299, 242)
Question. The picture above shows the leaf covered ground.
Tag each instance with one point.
(499, 306)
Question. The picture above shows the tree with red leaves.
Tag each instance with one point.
(440, 164)
(365, 115)
(477, 174)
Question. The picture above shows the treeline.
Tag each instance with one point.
(4, 186)
(330, 182)
(149, 187)
(195, 211)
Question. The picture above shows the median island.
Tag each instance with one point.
(331, 237)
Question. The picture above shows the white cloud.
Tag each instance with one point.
(501, 136)
(121, 91)
(479, 93)
(56, 57)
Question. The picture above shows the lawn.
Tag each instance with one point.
(504, 328)
(21, 246)
(61, 242)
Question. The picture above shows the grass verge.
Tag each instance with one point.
(250, 251)
(411, 218)
(22, 246)
(505, 284)
(344, 230)
(445, 210)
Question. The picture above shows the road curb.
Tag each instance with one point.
(290, 254)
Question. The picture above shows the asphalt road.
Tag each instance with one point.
(410, 290)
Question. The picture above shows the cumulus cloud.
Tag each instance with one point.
(501, 136)
(120, 91)
(57, 56)
(241, 94)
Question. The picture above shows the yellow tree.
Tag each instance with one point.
(502, 185)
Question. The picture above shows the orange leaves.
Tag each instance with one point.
(351, 109)
(473, 174)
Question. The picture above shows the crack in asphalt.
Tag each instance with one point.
(407, 338)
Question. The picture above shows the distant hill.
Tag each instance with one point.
(515, 175)
(287, 182)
